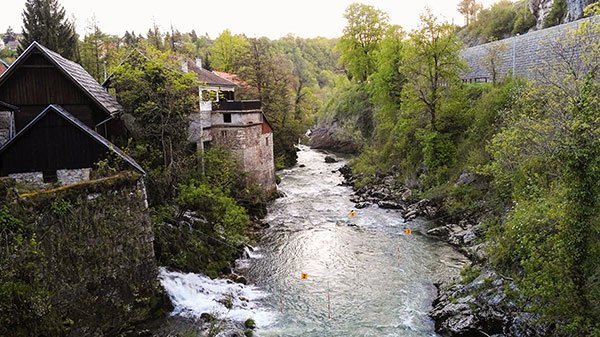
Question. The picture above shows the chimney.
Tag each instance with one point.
(199, 62)
(184, 66)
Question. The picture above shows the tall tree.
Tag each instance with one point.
(364, 31)
(469, 9)
(432, 64)
(44, 21)
(9, 35)
(94, 50)
(227, 51)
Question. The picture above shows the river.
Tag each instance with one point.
(318, 271)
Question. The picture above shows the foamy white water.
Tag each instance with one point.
(194, 294)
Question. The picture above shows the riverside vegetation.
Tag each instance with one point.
(519, 159)
(525, 154)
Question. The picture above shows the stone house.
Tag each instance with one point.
(241, 127)
(55, 120)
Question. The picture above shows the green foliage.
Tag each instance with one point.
(503, 19)
(556, 14)
(44, 21)
(227, 51)
(547, 159)
(431, 66)
(158, 98)
(208, 243)
(227, 218)
(439, 153)
(60, 207)
(364, 30)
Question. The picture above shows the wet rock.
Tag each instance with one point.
(466, 178)
(361, 205)
(406, 195)
(207, 317)
(387, 204)
(442, 231)
(301, 165)
(330, 159)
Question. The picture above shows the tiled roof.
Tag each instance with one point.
(209, 77)
(77, 123)
(76, 72)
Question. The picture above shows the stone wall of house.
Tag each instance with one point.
(32, 178)
(7, 126)
(200, 123)
(530, 55)
(68, 177)
(252, 149)
(91, 266)
(238, 118)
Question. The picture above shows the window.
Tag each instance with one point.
(267, 141)
(227, 118)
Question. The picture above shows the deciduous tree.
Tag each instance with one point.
(364, 31)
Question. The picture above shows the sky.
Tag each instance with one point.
(255, 18)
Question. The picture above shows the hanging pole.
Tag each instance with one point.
(201, 131)
(328, 301)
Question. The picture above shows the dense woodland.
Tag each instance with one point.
(534, 146)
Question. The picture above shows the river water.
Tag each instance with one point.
(363, 274)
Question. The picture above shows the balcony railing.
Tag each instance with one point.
(206, 106)
(236, 105)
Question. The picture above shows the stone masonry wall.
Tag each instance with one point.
(7, 126)
(68, 177)
(533, 53)
(96, 264)
(252, 149)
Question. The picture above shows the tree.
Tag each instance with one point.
(155, 37)
(469, 9)
(44, 21)
(158, 98)
(364, 31)
(432, 65)
(547, 162)
(227, 51)
(94, 50)
(492, 60)
(9, 35)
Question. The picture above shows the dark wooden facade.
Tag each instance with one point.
(37, 80)
(56, 140)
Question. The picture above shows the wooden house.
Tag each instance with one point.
(40, 77)
(57, 147)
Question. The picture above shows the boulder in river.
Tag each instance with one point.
(387, 204)
(330, 159)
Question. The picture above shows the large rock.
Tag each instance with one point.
(329, 137)
(574, 10)
(481, 307)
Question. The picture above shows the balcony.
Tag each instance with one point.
(236, 105)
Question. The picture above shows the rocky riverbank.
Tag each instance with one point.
(479, 304)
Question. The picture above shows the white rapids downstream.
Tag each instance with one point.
(364, 275)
